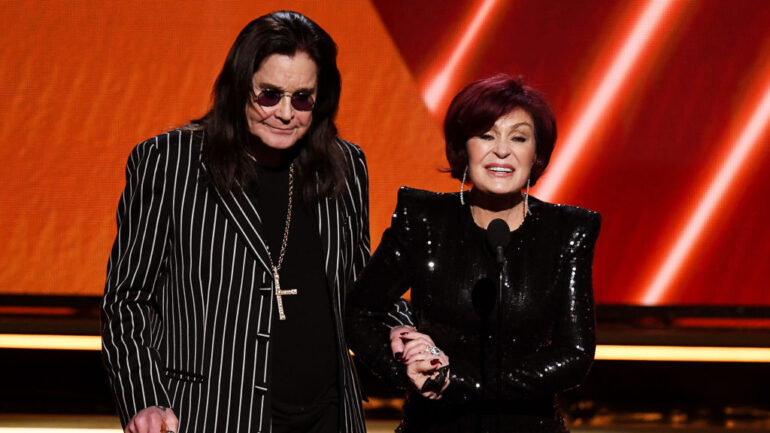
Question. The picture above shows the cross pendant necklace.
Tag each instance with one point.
(279, 293)
(274, 268)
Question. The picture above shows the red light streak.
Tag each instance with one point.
(754, 125)
(435, 91)
(576, 147)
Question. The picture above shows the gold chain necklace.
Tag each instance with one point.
(275, 269)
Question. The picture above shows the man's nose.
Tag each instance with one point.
(285, 111)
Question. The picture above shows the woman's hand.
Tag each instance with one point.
(426, 366)
(428, 377)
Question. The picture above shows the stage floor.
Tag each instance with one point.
(10, 423)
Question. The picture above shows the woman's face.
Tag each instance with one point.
(500, 160)
(281, 126)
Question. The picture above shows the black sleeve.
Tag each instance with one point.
(358, 188)
(400, 314)
(372, 303)
(134, 275)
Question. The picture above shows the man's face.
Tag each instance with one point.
(282, 125)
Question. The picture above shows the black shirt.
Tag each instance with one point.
(302, 347)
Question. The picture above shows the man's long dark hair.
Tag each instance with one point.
(320, 166)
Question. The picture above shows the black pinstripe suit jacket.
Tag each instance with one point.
(188, 300)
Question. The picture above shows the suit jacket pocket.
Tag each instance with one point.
(185, 376)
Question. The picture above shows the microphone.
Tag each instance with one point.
(498, 236)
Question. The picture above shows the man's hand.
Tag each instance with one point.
(396, 342)
(153, 419)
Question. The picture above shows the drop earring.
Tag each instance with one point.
(462, 186)
(525, 210)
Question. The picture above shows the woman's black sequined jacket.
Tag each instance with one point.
(434, 247)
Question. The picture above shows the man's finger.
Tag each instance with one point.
(153, 422)
(414, 347)
(444, 359)
(397, 348)
(131, 427)
(414, 335)
(418, 344)
(423, 366)
(171, 422)
(396, 342)
(417, 358)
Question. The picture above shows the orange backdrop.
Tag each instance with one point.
(663, 109)
(82, 82)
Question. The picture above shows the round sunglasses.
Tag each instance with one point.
(300, 101)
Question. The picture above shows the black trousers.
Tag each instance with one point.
(323, 418)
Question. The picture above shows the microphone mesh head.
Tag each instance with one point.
(498, 233)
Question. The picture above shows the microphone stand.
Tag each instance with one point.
(501, 262)
(498, 236)
(483, 299)
(484, 331)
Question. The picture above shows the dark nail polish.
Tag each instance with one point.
(434, 362)
(404, 333)
(398, 356)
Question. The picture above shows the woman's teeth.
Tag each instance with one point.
(501, 169)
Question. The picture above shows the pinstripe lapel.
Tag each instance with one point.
(240, 209)
(329, 229)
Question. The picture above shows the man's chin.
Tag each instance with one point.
(280, 141)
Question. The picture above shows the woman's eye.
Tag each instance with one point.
(486, 136)
(520, 139)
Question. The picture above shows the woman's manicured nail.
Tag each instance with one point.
(398, 356)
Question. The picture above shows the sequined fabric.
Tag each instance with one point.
(547, 335)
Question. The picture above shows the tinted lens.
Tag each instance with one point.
(269, 98)
(302, 102)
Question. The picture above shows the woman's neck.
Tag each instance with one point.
(487, 207)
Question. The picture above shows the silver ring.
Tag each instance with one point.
(433, 350)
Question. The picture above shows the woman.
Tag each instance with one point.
(499, 137)
(238, 237)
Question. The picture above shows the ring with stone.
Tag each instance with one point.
(433, 350)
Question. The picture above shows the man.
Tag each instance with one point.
(238, 237)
